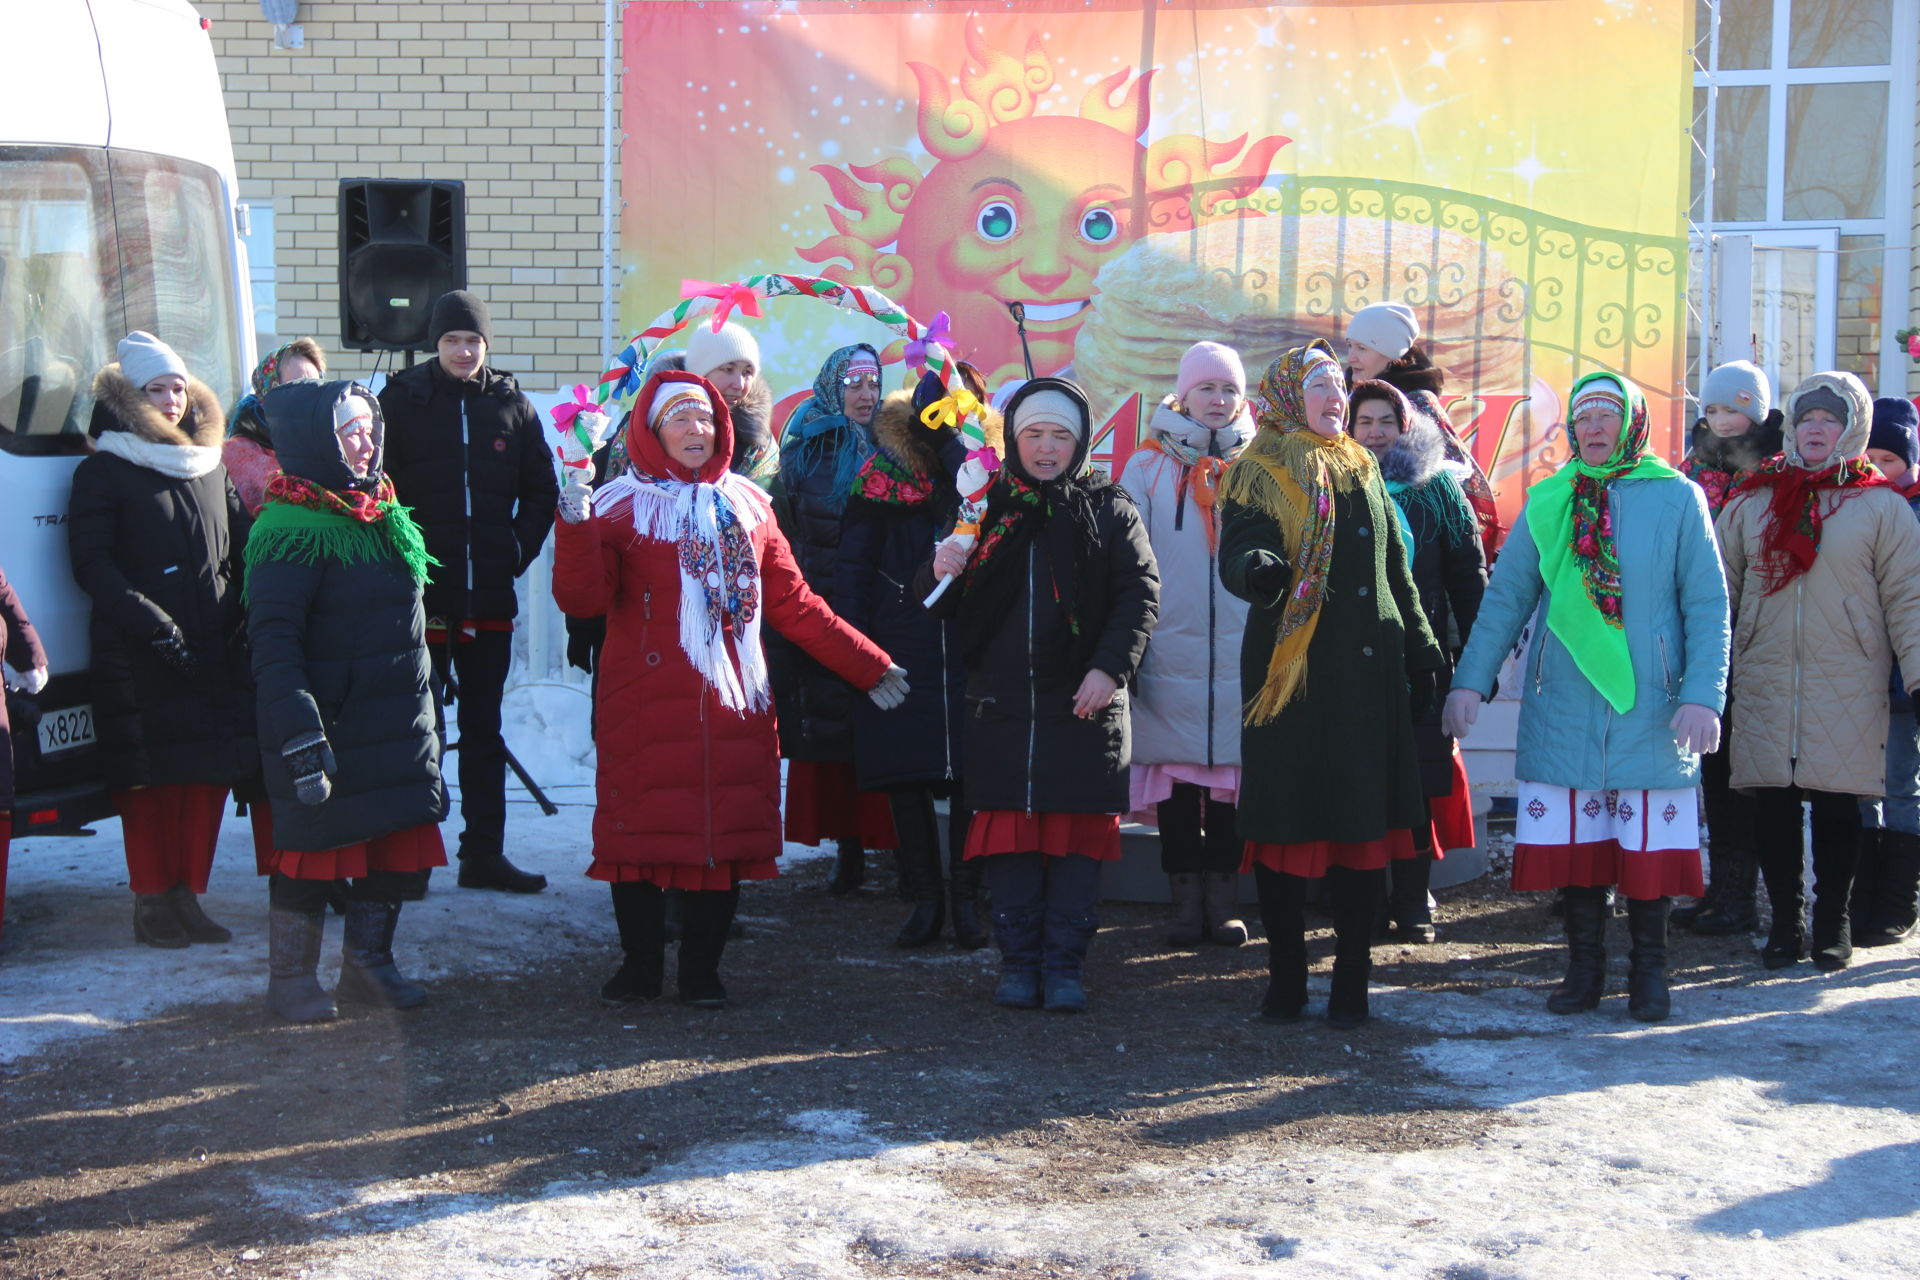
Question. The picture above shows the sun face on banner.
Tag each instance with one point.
(1019, 206)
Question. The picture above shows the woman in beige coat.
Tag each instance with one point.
(1823, 574)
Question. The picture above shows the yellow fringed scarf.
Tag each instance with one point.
(1290, 474)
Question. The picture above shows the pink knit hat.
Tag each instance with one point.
(1210, 362)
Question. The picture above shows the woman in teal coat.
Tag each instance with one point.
(1622, 689)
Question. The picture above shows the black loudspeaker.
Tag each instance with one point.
(403, 243)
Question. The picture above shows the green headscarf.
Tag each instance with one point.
(1572, 526)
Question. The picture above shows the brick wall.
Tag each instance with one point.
(502, 94)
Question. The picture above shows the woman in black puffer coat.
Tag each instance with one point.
(903, 500)
(335, 570)
(1054, 608)
(824, 444)
(154, 530)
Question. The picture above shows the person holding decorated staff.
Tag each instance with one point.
(336, 568)
(155, 530)
(1186, 700)
(1739, 428)
(1622, 692)
(1823, 568)
(824, 445)
(1449, 572)
(1336, 665)
(903, 498)
(1053, 608)
(686, 562)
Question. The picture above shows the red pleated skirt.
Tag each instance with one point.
(1311, 858)
(824, 803)
(414, 849)
(684, 875)
(1453, 813)
(1092, 835)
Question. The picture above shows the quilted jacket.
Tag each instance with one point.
(1810, 662)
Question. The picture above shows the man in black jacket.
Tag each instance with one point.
(466, 452)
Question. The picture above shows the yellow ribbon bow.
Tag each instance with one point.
(951, 410)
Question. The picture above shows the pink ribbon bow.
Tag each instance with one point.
(726, 298)
(566, 412)
(938, 333)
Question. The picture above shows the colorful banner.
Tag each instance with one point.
(1143, 175)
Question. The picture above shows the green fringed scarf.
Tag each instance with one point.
(303, 521)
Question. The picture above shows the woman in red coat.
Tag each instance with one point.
(685, 561)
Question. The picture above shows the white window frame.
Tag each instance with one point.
(1895, 226)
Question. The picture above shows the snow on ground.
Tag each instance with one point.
(1772, 1130)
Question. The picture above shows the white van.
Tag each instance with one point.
(117, 212)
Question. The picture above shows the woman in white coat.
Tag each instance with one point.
(1186, 701)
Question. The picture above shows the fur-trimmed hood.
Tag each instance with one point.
(1417, 456)
(118, 405)
(899, 434)
(1734, 454)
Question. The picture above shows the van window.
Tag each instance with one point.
(56, 254)
(93, 244)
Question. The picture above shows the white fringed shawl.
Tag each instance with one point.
(712, 527)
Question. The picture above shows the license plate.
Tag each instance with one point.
(66, 730)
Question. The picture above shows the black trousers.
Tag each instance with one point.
(479, 670)
(309, 897)
(1198, 834)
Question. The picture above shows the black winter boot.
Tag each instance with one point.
(1730, 905)
(1357, 898)
(491, 869)
(1283, 915)
(1016, 931)
(1409, 900)
(640, 911)
(918, 858)
(969, 934)
(1896, 908)
(1220, 892)
(1686, 914)
(293, 960)
(1647, 997)
(368, 975)
(706, 920)
(193, 921)
(155, 924)
(1833, 865)
(1786, 893)
(849, 868)
(1586, 978)
(1189, 910)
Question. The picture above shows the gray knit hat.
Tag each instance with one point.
(144, 357)
(1740, 385)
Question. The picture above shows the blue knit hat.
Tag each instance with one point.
(1896, 428)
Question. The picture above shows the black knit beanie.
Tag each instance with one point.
(459, 310)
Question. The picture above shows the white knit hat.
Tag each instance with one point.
(707, 350)
(1048, 405)
(1387, 327)
(144, 357)
(1740, 385)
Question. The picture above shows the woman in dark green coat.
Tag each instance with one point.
(1337, 659)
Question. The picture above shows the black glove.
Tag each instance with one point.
(310, 761)
(1270, 576)
(172, 648)
(580, 652)
(1423, 693)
